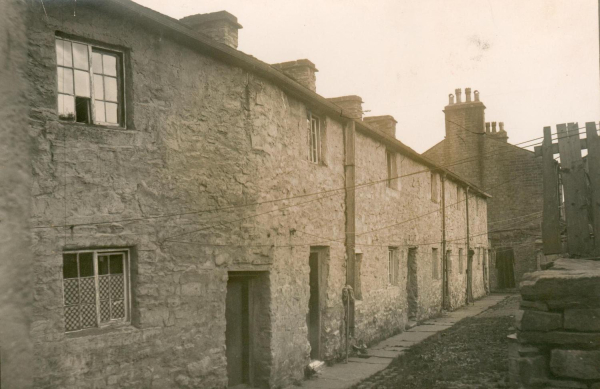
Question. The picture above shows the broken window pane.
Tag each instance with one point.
(63, 53)
(69, 265)
(65, 80)
(99, 108)
(109, 65)
(66, 107)
(116, 264)
(80, 56)
(86, 264)
(111, 113)
(82, 83)
(110, 88)
(82, 109)
(98, 87)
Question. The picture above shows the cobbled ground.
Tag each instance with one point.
(471, 354)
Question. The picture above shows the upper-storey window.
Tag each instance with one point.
(392, 170)
(90, 83)
(435, 190)
(315, 146)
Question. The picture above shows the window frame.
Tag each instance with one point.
(393, 266)
(92, 48)
(435, 189)
(392, 170)
(435, 265)
(315, 152)
(126, 286)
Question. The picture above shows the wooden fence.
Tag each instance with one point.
(580, 179)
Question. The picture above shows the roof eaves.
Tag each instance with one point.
(405, 150)
(246, 61)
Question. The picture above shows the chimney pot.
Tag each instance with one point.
(450, 99)
(220, 26)
(487, 127)
(476, 94)
(351, 106)
(458, 93)
(302, 71)
(468, 95)
(501, 124)
(494, 127)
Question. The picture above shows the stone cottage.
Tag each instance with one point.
(480, 152)
(197, 213)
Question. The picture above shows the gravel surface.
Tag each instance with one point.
(471, 354)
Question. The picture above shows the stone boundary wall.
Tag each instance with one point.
(558, 339)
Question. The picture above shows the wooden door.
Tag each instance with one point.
(412, 292)
(314, 308)
(237, 335)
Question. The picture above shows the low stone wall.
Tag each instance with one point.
(558, 339)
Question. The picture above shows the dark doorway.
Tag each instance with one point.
(411, 284)
(237, 335)
(314, 306)
(505, 266)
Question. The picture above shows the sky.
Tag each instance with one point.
(534, 62)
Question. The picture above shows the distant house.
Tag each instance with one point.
(197, 213)
(480, 152)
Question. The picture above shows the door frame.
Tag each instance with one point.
(249, 276)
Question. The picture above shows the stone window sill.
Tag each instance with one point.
(122, 328)
(94, 126)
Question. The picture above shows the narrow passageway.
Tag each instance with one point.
(467, 348)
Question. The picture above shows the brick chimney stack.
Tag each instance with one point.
(465, 127)
(221, 26)
(302, 71)
(351, 106)
(465, 116)
(386, 124)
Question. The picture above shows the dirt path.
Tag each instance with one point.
(471, 354)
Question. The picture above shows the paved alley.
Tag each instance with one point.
(381, 368)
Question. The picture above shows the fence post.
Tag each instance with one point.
(593, 160)
(573, 174)
(551, 220)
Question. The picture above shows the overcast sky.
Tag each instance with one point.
(534, 62)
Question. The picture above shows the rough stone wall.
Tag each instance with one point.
(16, 259)
(510, 174)
(201, 134)
(558, 339)
(381, 212)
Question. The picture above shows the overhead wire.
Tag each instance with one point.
(462, 161)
